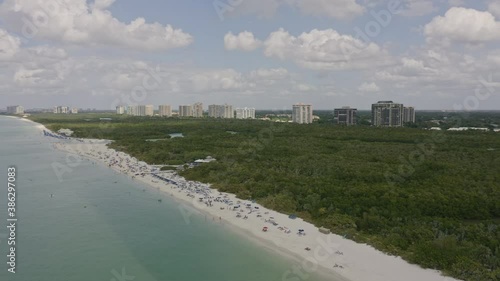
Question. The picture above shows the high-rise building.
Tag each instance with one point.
(302, 113)
(130, 110)
(74, 110)
(15, 109)
(345, 115)
(198, 110)
(245, 113)
(141, 110)
(213, 111)
(387, 114)
(220, 111)
(137, 110)
(149, 110)
(228, 111)
(165, 110)
(409, 115)
(61, 110)
(185, 111)
(120, 110)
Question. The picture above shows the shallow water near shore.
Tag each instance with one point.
(95, 224)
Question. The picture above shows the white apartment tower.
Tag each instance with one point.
(15, 109)
(220, 111)
(61, 110)
(185, 111)
(387, 114)
(197, 110)
(409, 114)
(165, 110)
(302, 113)
(149, 110)
(120, 110)
(137, 110)
(245, 113)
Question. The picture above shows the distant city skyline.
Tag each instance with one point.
(427, 54)
(177, 108)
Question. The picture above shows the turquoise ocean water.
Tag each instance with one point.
(99, 225)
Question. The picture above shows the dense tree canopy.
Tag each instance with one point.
(431, 197)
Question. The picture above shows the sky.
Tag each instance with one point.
(267, 54)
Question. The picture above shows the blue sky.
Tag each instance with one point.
(267, 54)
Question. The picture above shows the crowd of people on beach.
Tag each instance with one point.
(200, 194)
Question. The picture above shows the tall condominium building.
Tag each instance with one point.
(198, 110)
(409, 115)
(165, 110)
(387, 114)
(149, 110)
(136, 110)
(220, 111)
(302, 113)
(245, 113)
(141, 109)
(15, 109)
(345, 115)
(74, 110)
(61, 110)
(131, 110)
(185, 111)
(120, 110)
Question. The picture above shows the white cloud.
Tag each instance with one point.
(494, 8)
(270, 73)
(44, 70)
(417, 8)
(494, 58)
(77, 22)
(214, 80)
(324, 50)
(414, 68)
(39, 78)
(337, 9)
(243, 41)
(9, 45)
(369, 87)
(464, 26)
(444, 76)
(102, 4)
(48, 52)
(304, 87)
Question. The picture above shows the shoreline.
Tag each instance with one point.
(355, 262)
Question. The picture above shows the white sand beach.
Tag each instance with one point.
(330, 255)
